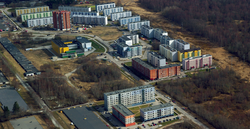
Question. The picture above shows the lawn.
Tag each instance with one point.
(177, 111)
(163, 101)
(11, 10)
(129, 64)
(92, 7)
(168, 122)
(98, 47)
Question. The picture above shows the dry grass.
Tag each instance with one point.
(63, 120)
(41, 122)
(6, 125)
(67, 66)
(106, 33)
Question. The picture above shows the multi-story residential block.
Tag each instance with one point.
(93, 13)
(125, 40)
(124, 115)
(118, 15)
(101, 7)
(134, 38)
(40, 21)
(133, 26)
(27, 16)
(156, 60)
(155, 112)
(128, 51)
(108, 11)
(125, 20)
(168, 52)
(188, 53)
(147, 31)
(31, 10)
(74, 9)
(158, 33)
(179, 45)
(166, 40)
(197, 62)
(90, 20)
(61, 20)
(130, 97)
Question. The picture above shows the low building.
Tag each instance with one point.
(3, 79)
(125, 20)
(25, 17)
(168, 52)
(31, 10)
(196, 62)
(124, 115)
(108, 11)
(188, 53)
(147, 31)
(134, 26)
(40, 21)
(118, 15)
(93, 13)
(59, 47)
(156, 112)
(74, 9)
(2, 5)
(90, 20)
(101, 7)
(85, 44)
(128, 51)
(156, 60)
(158, 33)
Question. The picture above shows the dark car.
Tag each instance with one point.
(164, 121)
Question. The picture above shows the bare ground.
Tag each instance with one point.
(106, 33)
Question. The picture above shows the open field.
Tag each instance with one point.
(136, 110)
(63, 120)
(106, 33)
(88, 5)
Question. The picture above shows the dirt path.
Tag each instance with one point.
(220, 55)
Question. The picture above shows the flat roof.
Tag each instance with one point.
(84, 118)
(160, 30)
(169, 48)
(34, 7)
(106, 3)
(156, 107)
(168, 66)
(113, 8)
(125, 38)
(122, 44)
(36, 13)
(26, 123)
(138, 60)
(74, 6)
(181, 41)
(59, 43)
(193, 49)
(89, 16)
(139, 21)
(121, 12)
(130, 17)
(123, 110)
(3, 78)
(146, 26)
(190, 58)
(127, 90)
(167, 37)
(82, 40)
(156, 55)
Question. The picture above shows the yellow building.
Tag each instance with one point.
(188, 53)
(59, 46)
(68, 42)
(31, 10)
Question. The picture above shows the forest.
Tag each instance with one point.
(219, 96)
(223, 22)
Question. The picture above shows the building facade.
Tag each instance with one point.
(61, 20)
(134, 38)
(32, 10)
(101, 7)
(166, 40)
(108, 11)
(84, 13)
(156, 60)
(133, 26)
(197, 62)
(118, 15)
(155, 112)
(147, 31)
(125, 40)
(124, 115)
(168, 52)
(90, 20)
(130, 97)
(74, 9)
(40, 21)
(158, 33)
(128, 51)
(188, 53)
(125, 20)
(25, 17)
(179, 45)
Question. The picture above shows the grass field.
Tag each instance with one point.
(6, 125)
(98, 47)
(163, 101)
(11, 10)
(136, 110)
(106, 33)
(129, 64)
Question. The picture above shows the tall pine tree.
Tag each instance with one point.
(16, 107)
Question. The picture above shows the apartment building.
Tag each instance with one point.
(166, 40)
(168, 52)
(128, 51)
(61, 20)
(179, 45)
(108, 11)
(196, 62)
(93, 13)
(124, 115)
(155, 112)
(90, 20)
(125, 20)
(118, 15)
(31, 10)
(129, 39)
(39, 21)
(74, 9)
(101, 7)
(156, 60)
(25, 17)
(130, 97)
(133, 26)
(125, 40)
(147, 31)
(188, 53)
(158, 33)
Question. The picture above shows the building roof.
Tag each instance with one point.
(138, 60)
(156, 55)
(113, 8)
(2, 77)
(125, 38)
(89, 16)
(129, 17)
(127, 90)
(156, 107)
(1, 3)
(169, 47)
(167, 37)
(181, 41)
(106, 3)
(190, 58)
(75, 6)
(168, 66)
(59, 43)
(123, 110)
(122, 44)
(147, 27)
(160, 30)
(121, 12)
(32, 7)
(82, 40)
(29, 122)
(188, 50)
(35, 13)
(139, 21)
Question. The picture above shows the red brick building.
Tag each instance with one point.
(61, 20)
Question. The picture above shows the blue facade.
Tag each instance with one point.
(108, 11)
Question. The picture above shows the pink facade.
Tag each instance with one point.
(197, 62)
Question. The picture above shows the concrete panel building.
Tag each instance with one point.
(101, 7)
(28, 16)
(118, 15)
(134, 38)
(166, 40)
(108, 11)
(197, 62)
(125, 40)
(156, 60)
(130, 97)
(74, 9)
(147, 31)
(93, 13)
(125, 20)
(158, 33)
(90, 20)
(133, 26)
(39, 21)
(32, 10)
(179, 45)
(124, 115)
(155, 112)
(188, 53)
(61, 20)
(128, 51)
(168, 52)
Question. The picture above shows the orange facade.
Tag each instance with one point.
(61, 20)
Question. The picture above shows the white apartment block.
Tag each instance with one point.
(159, 32)
(40, 21)
(166, 40)
(125, 20)
(133, 37)
(168, 52)
(107, 12)
(133, 26)
(101, 7)
(90, 20)
(31, 10)
(75, 9)
(118, 15)
(155, 112)
(156, 60)
(147, 31)
(181, 45)
(84, 13)
(130, 97)
(125, 40)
